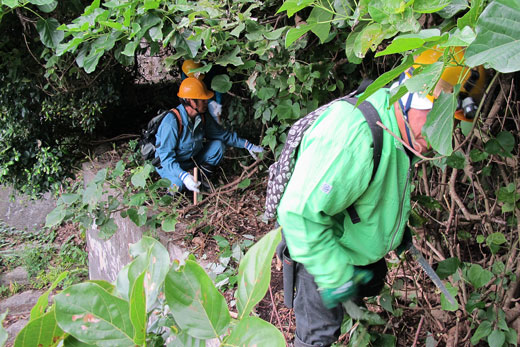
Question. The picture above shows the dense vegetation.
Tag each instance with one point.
(282, 60)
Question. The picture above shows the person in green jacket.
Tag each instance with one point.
(336, 259)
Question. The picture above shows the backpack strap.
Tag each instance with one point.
(372, 117)
(179, 119)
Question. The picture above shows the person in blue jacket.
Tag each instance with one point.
(200, 142)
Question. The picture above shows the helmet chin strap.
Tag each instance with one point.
(404, 111)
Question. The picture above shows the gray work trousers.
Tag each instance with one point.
(315, 324)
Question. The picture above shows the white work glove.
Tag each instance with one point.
(215, 110)
(253, 149)
(189, 182)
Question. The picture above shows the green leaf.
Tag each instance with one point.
(369, 38)
(295, 33)
(107, 229)
(448, 267)
(477, 155)
(478, 276)
(429, 6)
(130, 48)
(471, 17)
(49, 7)
(254, 331)
(274, 34)
(497, 43)
(456, 160)
(138, 218)
(55, 217)
(244, 184)
(10, 3)
(69, 198)
(403, 43)
(91, 61)
(231, 58)
(168, 224)
(265, 93)
(496, 239)
(42, 331)
(138, 309)
(151, 257)
(438, 128)
(293, 6)
(40, 2)
(386, 78)
(445, 304)
(321, 19)
(254, 272)
(512, 336)
(137, 199)
(94, 316)
(454, 7)
(502, 145)
(424, 78)
(48, 34)
(483, 330)
(196, 304)
(508, 194)
(459, 37)
(43, 301)
(141, 175)
(349, 47)
(221, 83)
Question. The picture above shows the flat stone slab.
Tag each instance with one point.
(18, 275)
(22, 302)
(24, 213)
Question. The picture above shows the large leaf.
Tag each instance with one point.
(196, 304)
(43, 301)
(48, 34)
(150, 257)
(42, 331)
(498, 37)
(322, 20)
(429, 6)
(293, 6)
(438, 128)
(408, 42)
(254, 272)
(41, 2)
(386, 78)
(253, 331)
(231, 58)
(138, 309)
(295, 33)
(94, 316)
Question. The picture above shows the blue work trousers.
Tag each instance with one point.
(210, 155)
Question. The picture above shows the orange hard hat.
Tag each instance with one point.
(472, 81)
(189, 65)
(192, 88)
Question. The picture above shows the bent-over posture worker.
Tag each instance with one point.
(335, 258)
(201, 140)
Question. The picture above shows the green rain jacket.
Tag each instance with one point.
(333, 171)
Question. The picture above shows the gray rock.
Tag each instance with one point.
(18, 275)
(24, 213)
(21, 303)
(14, 329)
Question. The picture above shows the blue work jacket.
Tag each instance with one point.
(173, 148)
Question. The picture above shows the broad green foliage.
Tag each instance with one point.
(112, 191)
(95, 313)
(497, 43)
(251, 289)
